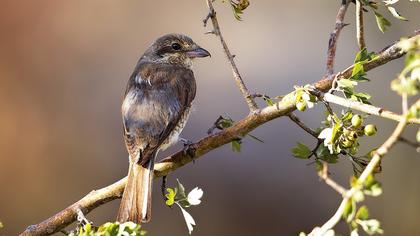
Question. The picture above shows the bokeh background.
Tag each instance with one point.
(63, 69)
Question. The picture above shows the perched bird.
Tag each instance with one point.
(155, 109)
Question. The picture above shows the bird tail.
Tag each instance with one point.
(136, 202)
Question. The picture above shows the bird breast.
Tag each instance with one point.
(174, 135)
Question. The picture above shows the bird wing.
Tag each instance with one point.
(156, 99)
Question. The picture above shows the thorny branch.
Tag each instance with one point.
(360, 35)
(332, 43)
(369, 109)
(236, 75)
(297, 121)
(388, 54)
(99, 197)
(381, 152)
(323, 174)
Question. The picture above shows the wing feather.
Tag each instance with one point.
(156, 100)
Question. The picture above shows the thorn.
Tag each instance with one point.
(344, 25)
(211, 14)
(188, 147)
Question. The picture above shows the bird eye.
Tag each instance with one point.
(176, 46)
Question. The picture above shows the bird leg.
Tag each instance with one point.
(163, 187)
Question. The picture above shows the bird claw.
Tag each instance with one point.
(188, 147)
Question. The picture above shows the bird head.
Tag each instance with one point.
(176, 49)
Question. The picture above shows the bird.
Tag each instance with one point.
(155, 109)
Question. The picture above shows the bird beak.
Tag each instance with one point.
(198, 52)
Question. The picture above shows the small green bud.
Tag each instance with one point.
(346, 132)
(347, 143)
(370, 130)
(301, 106)
(352, 135)
(356, 121)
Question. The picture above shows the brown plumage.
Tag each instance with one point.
(155, 109)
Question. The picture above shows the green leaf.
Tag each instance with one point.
(361, 97)
(318, 166)
(110, 229)
(362, 213)
(347, 116)
(170, 196)
(361, 56)
(238, 7)
(181, 189)
(237, 12)
(358, 73)
(357, 68)
(301, 151)
(372, 187)
(236, 145)
(349, 210)
(268, 101)
(397, 15)
(382, 22)
(324, 154)
(346, 84)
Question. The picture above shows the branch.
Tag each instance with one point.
(297, 121)
(69, 215)
(238, 78)
(323, 174)
(241, 128)
(332, 43)
(360, 35)
(381, 152)
(388, 54)
(369, 109)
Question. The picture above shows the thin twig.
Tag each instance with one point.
(323, 174)
(332, 43)
(382, 151)
(386, 55)
(360, 35)
(366, 108)
(236, 75)
(302, 125)
(241, 128)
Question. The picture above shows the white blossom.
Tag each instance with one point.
(188, 219)
(194, 196)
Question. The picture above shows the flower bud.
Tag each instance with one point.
(370, 130)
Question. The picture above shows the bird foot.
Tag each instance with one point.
(188, 147)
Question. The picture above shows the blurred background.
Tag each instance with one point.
(63, 70)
